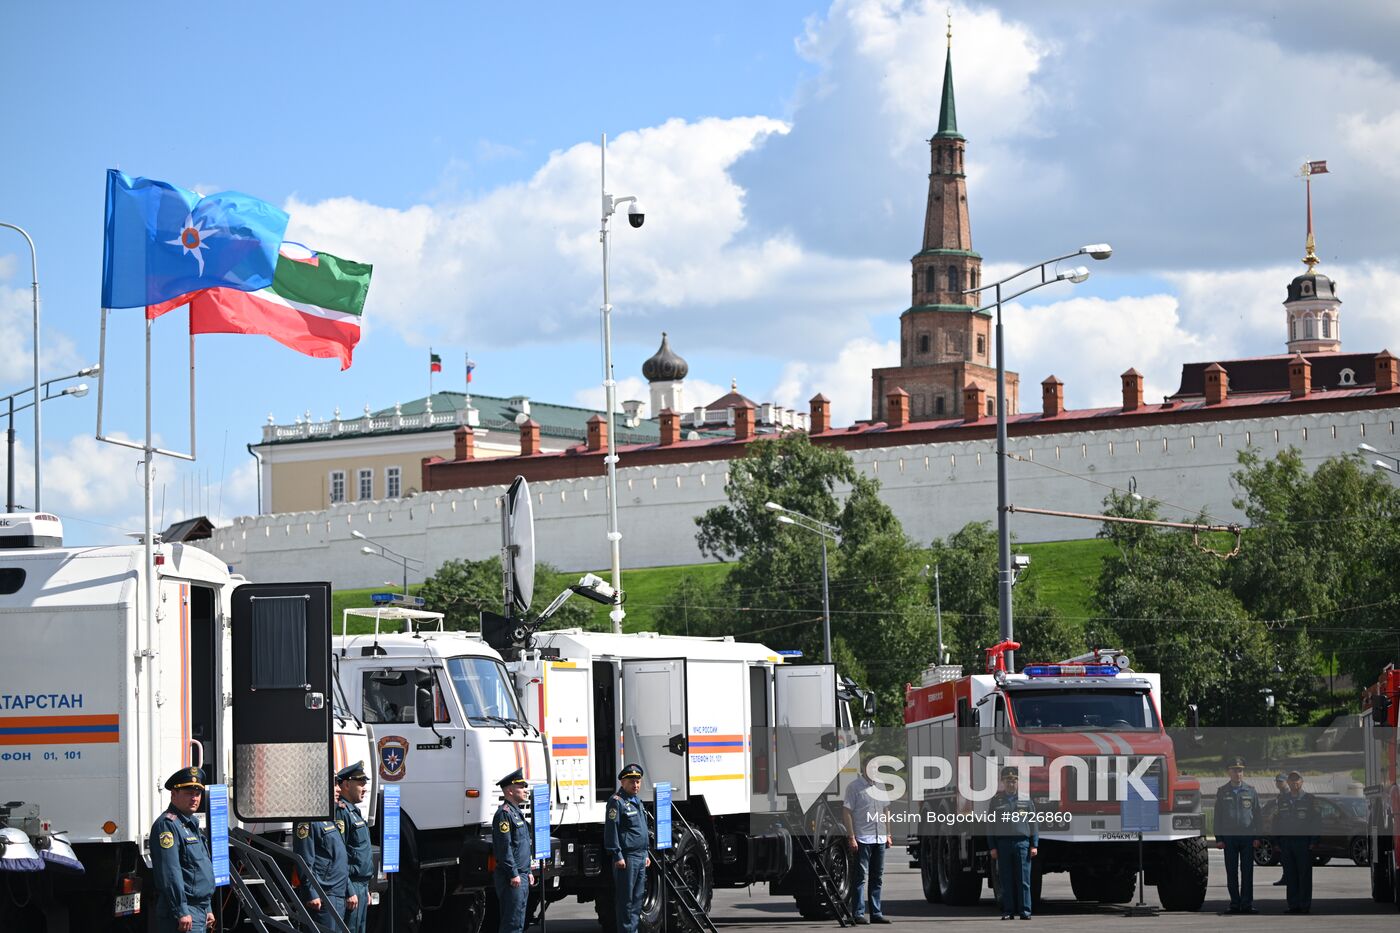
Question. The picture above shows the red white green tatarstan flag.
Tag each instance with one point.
(314, 306)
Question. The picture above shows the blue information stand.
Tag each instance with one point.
(539, 814)
(1142, 814)
(389, 853)
(218, 832)
(663, 815)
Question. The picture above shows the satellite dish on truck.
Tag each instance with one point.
(518, 547)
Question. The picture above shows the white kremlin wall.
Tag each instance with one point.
(935, 489)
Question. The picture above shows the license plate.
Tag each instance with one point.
(1119, 835)
(127, 904)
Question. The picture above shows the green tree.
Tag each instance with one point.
(1321, 557)
(1164, 599)
(461, 589)
(880, 618)
(967, 564)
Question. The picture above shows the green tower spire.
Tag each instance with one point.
(947, 110)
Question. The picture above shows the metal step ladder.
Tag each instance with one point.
(692, 913)
(825, 832)
(268, 899)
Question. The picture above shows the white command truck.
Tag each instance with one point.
(721, 721)
(1381, 728)
(100, 701)
(447, 727)
(1091, 722)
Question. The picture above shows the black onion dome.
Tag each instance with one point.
(664, 365)
(1311, 285)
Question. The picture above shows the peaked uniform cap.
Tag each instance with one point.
(629, 771)
(516, 777)
(350, 772)
(186, 777)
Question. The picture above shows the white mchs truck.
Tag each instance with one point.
(722, 721)
(99, 703)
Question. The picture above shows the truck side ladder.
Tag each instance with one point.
(693, 915)
(266, 895)
(825, 832)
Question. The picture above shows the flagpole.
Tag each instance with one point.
(467, 377)
(148, 469)
(430, 372)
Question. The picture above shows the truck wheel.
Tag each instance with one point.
(928, 871)
(691, 857)
(1183, 875)
(836, 856)
(606, 909)
(652, 918)
(958, 884)
(459, 913)
(1380, 880)
(1106, 888)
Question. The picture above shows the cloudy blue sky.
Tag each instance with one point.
(780, 152)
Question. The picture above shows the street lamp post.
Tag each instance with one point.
(826, 532)
(635, 217)
(1384, 463)
(77, 391)
(1005, 576)
(38, 421)
(375, 549)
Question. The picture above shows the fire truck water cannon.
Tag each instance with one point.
(996, 656)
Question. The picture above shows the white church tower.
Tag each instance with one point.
(1312, 308)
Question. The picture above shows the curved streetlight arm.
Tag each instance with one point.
(1095, 251)
(1074, 276)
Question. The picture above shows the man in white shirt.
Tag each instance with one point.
(866, 816)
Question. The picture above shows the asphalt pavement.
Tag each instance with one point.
(1340, 890)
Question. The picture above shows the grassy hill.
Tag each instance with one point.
(1065, 571)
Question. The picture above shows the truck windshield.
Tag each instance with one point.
(1090, 711)
(484, 689)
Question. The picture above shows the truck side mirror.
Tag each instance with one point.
(867, 727)
(1380, 710)
(868, 705)
(427, 712)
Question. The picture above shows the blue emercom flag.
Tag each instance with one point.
(162, 242)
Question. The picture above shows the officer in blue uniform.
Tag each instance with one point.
(510, 840)
(184, 874)
(351, 781)
(1280, 791)
(626, 841)
(1236, 818)
(1297, 824)
(1014, 836)
(322, 846)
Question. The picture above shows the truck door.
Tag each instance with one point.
(282, 725)
(654, 721)
(805, 708)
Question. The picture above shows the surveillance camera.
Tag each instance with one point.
(635, 215)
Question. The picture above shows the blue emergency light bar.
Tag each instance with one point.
(1070, 670)
(396, 599)
(790, 652)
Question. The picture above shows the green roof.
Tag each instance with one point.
(565, 421)
(947, 109)
(939, 251)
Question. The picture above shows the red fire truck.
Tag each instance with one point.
(1380, 705)
(1088, 725)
